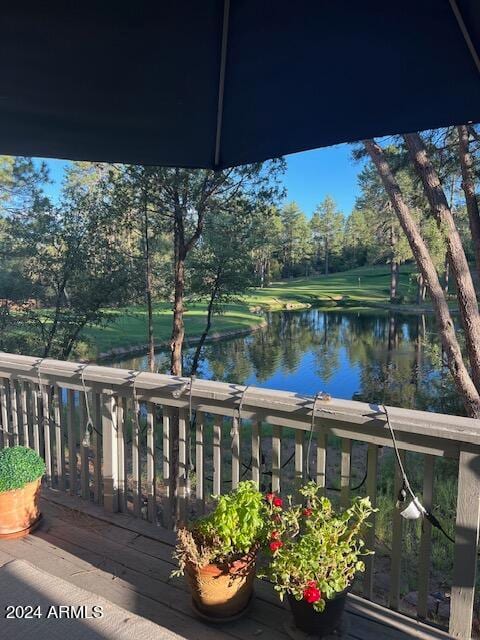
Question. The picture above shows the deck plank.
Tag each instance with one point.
(116, 589)
(129, 561)
(96, 540)
(74, 542)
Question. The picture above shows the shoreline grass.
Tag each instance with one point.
(128, 328)
(362, 289)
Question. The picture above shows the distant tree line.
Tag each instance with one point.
(370, 235)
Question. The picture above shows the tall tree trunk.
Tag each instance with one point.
(326, 256)
(466, 296)
(176, 346)
(203, 337)
(56, 318)
(468, 186)
(419, 340)
(393, 280)
(459, 371)
(446, 275)
(392, 334)
(178, 327)
(393, 266)
(148, 284)
(71, 340)
(421, 289)
(4, 319)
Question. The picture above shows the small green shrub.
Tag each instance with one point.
(236, 527)
(18, 467)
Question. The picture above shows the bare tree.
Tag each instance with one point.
(458, 369)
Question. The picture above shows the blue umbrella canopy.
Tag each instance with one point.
(219, 83)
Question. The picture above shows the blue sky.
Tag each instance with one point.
(310, 176)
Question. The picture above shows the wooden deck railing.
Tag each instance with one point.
(126, 464)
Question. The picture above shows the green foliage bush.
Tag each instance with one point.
(18, 467)
(235, 527)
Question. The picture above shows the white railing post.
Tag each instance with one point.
(59, 441)
(24, 403)
(97, 448)
(151, 464)
(183, 435)
(466, 543)
(45, 401)
(110, 453)
(167, 446)
(15, 406)
(4, 413)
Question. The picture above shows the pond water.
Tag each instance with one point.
(374, 357)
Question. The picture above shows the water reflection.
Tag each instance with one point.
(375, 357)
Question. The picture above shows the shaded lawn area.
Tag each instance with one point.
(129, 325)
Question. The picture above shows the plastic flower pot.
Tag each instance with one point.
(221, 591)
(318, 624)
(19, 510)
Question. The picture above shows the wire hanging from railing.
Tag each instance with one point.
(136, 405)
(323, 396)
(89, 426)
(44, 419)
(415, 509)
(177, 393)
(236, 428)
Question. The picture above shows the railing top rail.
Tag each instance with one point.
(174, 391)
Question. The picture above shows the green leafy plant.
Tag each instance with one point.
(236, 527)
(18, 467)
(315, 552)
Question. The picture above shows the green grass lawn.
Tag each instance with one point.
(129, 326)
(358, 288)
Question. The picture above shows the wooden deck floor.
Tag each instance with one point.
(129, 562)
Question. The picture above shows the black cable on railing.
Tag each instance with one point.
(89, 426)
(426, 513)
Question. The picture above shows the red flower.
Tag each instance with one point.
(307, 512)
(312, 594)
(275, 535)
(277, 502)
(275, 545)
(269, 497)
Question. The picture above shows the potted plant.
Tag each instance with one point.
(315, 554)
(218, 553)
(21, 471)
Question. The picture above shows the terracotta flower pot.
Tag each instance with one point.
(222, 590)
(19, 512)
